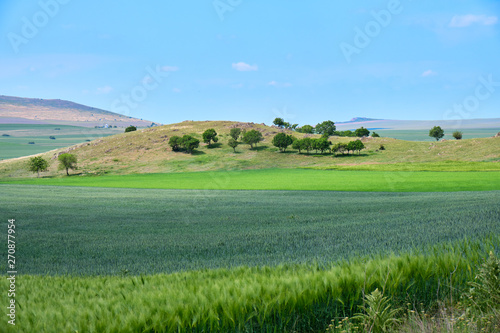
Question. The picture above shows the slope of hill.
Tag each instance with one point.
(56, 111)
(147, 151)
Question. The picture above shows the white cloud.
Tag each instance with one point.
(278, 84)
(461, 21)
(104, 90)
(169, 68)
(243, 67)
(428, 73)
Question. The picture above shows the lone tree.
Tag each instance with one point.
(360, 132)
(235, 133)
(252, 137)
(436, 132)
(130, 129)
(67, 161)
(282, 141)
(210, 135)
(327, 128)
(233, 143)
(375, 135)
(280, 122)
(37, 164)
(457, 135)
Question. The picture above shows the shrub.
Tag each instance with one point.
(457, 135)
(52, 137)
(130, 129)
(382, 147)
(375, 135)
(175, 143)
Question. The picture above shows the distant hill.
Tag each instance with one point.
(57, 111)
(390, 124)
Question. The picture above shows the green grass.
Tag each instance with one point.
(16, 145)
(289, 179)
(286, 298)
(435, 166)
(81, 230)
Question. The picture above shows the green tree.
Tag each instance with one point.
(307, 144)
(297, 144)
(436, 132)
(130, 129)
(307, 129)
(280, 122)
(360, 132)
(357, 145)
(375, 135)
(252, 137)
(457, 135)
(339, 148)
(233, 143)
(190, 143)
(210, 135)
(37, 164)
(323, 144)
(235, 133)
(282, 141)
(67, 161)
(326, 128)
(175, 142)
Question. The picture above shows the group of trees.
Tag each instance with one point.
(437, 133)
(187, 143)
(326, 129)
(283, 141)
(39, 164)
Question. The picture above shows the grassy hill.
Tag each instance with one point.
(57, 111)
(147, 151)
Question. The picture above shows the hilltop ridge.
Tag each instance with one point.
(57, 111)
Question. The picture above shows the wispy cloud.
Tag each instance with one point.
(428, 72)
(279, 84)
(169, 68)
(243, 67)
(461, 21)
(104, 90)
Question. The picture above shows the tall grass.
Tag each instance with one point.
(300, 298)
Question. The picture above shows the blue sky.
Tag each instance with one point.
(169, 61)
